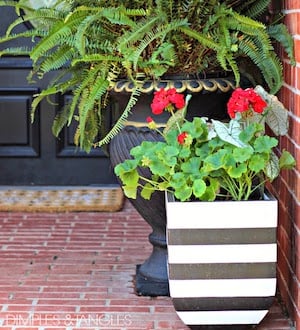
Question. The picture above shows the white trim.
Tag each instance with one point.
(230, 214)
(222, 288)
(235, 253)
(222, 317)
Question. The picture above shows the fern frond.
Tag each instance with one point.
(16, 51)
(87, 103)
(121, 121)
(61, 120)
(280, 33)
(272, 72)
(57, 59)
(26, 34)
(256, 8)
(43, 17)
(157, 35)
(60, 33)
(245, 23)
(86, 78)
(52, 89)
(137, 34)
(232, 64)
(203, 39)
(96, 58)
(269, 65)
(98, 19)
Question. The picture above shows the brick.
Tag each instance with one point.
(67, 268)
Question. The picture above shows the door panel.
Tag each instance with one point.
(29, 153)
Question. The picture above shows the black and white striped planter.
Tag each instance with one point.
(222, 260)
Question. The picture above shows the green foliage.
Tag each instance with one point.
(217, 160)
(90, 44)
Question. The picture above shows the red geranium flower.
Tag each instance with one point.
(245, 100)
(160, 102)
(176, 98)
(166, 99)
(181, 137)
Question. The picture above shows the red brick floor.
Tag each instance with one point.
(75, 271)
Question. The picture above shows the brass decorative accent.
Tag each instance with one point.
(142, 124)
(181, 85)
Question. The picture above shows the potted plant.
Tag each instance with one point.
(120, 52)
(221, 221)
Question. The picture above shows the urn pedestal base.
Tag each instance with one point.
(151, 276)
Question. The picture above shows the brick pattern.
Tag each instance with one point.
(69, 271)
(287, 186)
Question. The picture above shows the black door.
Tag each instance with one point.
(29, 153)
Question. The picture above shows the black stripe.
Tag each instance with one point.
(222, 303)
(221, 236)
(222, 271)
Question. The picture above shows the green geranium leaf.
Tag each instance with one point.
(197, 128)
(215, 144)
(211, 190)
(286, 161)
(202, 151)
(127, 171)
(185, 152)
(257, 163)
(242, 154)
(184, 193)
(191, 166)
(130, 191)
(137, 151)
(238, 171)
(229, 159)
(168, 156)
(216, 160)
(250, 131)
(178, 180)
(147, 191)
(171, 151)
(127, 165)
(157, 167)
(162, 186)
(264, 143)
(199, 188)
(148, 147)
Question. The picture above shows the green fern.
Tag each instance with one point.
(120, 122)
(89, 45)
(279, 32)
(57, 59)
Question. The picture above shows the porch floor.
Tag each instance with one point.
(68, 271)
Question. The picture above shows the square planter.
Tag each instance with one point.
(222, 260)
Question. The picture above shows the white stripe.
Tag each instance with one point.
(244, 253)
(222, 288)
(222, 317)
(247, 214)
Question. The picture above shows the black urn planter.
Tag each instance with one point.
(209, 100)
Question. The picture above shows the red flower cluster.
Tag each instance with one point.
(244, 100)
(167, 99)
